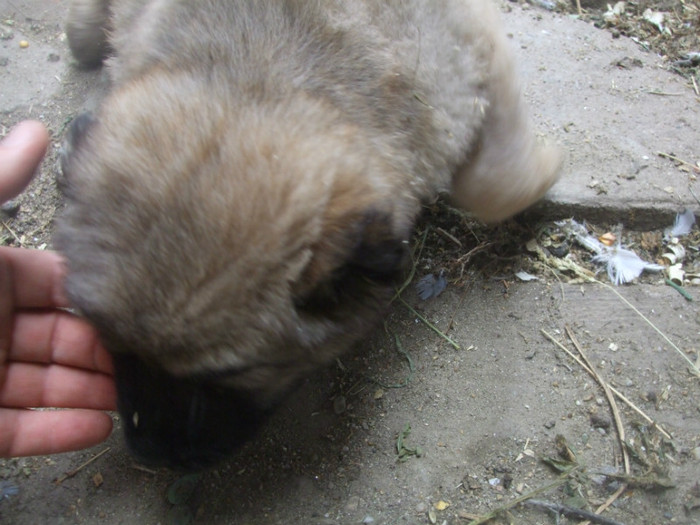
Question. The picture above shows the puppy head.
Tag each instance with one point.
(223, 250)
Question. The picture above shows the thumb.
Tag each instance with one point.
(20, 153)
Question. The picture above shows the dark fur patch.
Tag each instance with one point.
(73, 140)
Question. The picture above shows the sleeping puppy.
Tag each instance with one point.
(239, 206)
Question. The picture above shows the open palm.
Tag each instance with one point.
(48, 357)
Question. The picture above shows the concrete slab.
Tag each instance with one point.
(612, 120)
(31, 74)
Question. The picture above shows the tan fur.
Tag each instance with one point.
(243, 196)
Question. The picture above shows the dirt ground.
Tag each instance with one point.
(496, 413)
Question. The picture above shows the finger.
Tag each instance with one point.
(20, 153)
(7, 301)
(35, 432)
(34, 278)
(54, 336)
(56, 386)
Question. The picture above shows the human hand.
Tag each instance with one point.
(48, 357)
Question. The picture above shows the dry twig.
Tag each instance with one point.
(676, 159)
(613, 389)
(572, 512)
(448, 235)
(429, 324)
(561, 480)
(73, 472)
(611, 400)
(663, 335)
(412, 273)
(17, 239)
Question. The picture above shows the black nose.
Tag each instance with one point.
(179, 422)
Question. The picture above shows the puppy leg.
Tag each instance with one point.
(87, 31)
(508, 170)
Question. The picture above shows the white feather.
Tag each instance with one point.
(624, 265)
(683, 224)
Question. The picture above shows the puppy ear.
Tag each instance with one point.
(368, 261)
(75, 137)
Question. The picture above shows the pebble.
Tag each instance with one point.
(598, 479)
(10, 208)
(695, 453)
(339, 405)
(354, 503)
(599, 421)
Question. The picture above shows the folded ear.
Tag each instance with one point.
(75, 137)
(362, 264)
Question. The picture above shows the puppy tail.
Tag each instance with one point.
(509, 169)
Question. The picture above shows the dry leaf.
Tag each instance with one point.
(441, 505)
(608, 239)
(97, 479)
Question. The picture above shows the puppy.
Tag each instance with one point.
(239, 206)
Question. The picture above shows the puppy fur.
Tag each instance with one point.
(239, 206)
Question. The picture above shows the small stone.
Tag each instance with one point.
(598, 479)
(599, 421)
(23, 44)
(53, 57)
(98, 480)
(550, 424)
(10, 208)
(507, 481)
(339, 405)
(354, 503)
(695, 453)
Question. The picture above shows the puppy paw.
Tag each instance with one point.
(87, 31)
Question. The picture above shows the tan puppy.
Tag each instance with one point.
(240, 205)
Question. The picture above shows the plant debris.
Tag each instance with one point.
(403, 451)
(622, 265)
(430, 286)
(671, 29)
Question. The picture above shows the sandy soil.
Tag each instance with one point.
(484, 414)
